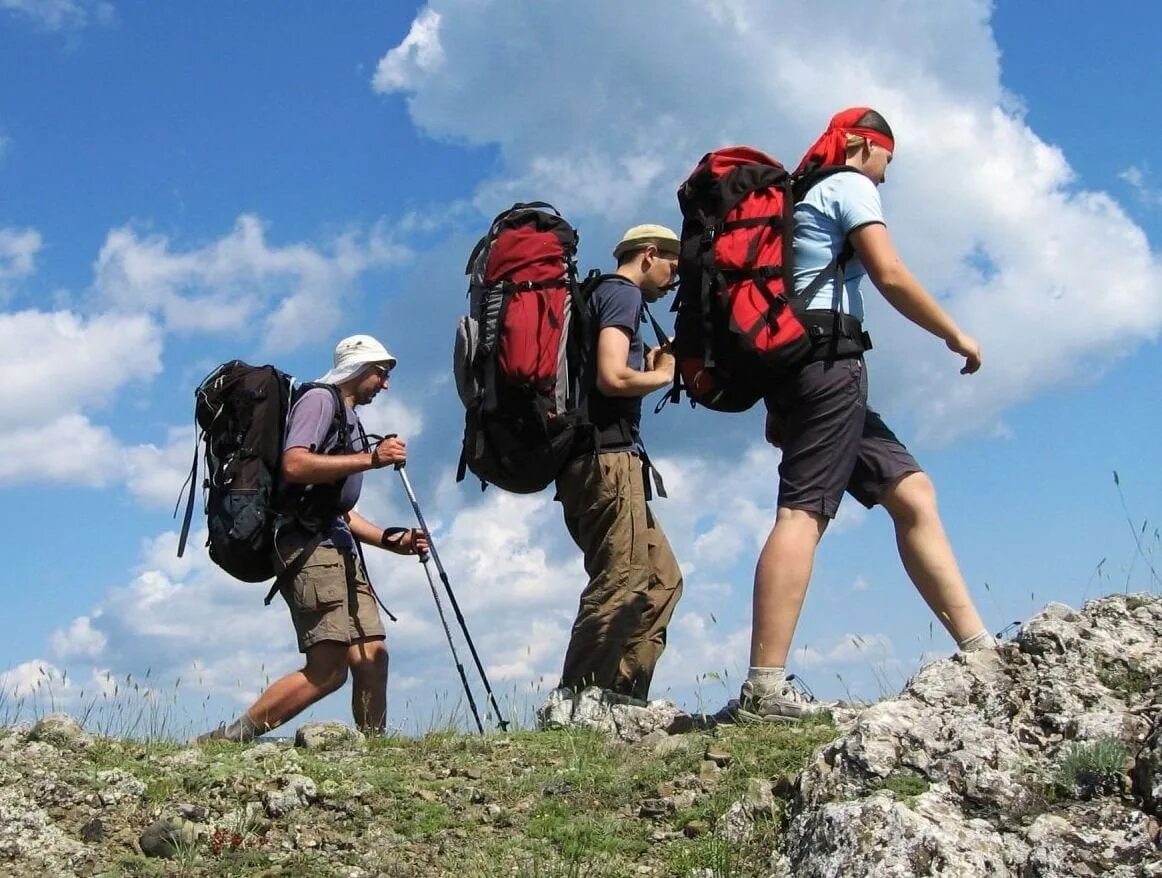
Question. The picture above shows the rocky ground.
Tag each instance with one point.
(1037, 760)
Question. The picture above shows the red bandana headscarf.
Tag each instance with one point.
(831, 147)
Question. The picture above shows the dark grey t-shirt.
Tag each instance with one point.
(618, 302)
(307, 427)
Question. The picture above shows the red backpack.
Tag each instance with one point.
(519, 350)
(738, 322)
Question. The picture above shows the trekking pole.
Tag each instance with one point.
(501, 722)
(451, 643)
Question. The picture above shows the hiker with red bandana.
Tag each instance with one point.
(832, 442)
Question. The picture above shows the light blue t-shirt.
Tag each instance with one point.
(830, 211)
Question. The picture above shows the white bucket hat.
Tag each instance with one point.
(355, 353)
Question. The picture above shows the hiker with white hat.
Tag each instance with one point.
(634, 580)
(331, 601)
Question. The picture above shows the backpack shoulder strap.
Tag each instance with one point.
(813, 176)
(339, 428)
(835, 268)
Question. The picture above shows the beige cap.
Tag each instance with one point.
(641, 236)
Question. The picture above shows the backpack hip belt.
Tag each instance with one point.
(834, 335)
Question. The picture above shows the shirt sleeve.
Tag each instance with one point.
(857, 202)
(310, 420)
(618, 304)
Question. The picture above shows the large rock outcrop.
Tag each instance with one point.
(1040, 759)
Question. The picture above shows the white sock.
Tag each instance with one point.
(766, 680)
(983, 640)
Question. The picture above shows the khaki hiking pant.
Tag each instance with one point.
(634, 580)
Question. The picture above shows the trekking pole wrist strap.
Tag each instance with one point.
(392, 536)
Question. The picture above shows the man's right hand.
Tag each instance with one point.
(389, 452)
(967, 347)
(660, 360)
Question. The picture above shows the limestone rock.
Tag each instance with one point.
(295, 791)
(960, 774)
(1147, 772)
(60, 730)
(115, 785)
(613, 715)
(329, 736)
(31, 840)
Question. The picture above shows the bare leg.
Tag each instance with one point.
(927, 555)
(368, 661)
(780, 584)
(325, 671)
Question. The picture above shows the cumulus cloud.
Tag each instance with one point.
(78, 640)
(1140, 180)
(84, 360)
(59, 14)
(18, 249)
(1009, 243)
(290, 292)
(419, 53)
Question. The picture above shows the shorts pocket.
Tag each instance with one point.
(321, 586)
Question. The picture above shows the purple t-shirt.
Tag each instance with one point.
(307, 427)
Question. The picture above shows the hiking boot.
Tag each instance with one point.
(786, 703)
(622, 698)
(218, 734)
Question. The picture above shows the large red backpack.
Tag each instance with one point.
(519, 351)
(738, 321)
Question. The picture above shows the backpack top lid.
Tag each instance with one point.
(526, 255)
(721, 161)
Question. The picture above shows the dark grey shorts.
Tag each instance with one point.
(831, 441)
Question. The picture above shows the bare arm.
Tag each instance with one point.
(616, 378)
(303, 467)
(887, 271)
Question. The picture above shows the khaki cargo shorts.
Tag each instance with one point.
(330, 600)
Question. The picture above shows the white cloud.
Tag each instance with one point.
(419, 53)
(69, 449)
(845, 650)
(1140, 181)
(580, 114)
(18, 249)
(60, 14)
(29, 678)
(154, 474)
(291, 293)
(85, 362)
(79, 640)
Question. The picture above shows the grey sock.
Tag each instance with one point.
(242, 730)
(764, 681)
(983, 640)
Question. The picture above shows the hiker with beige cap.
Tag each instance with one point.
(634, 581)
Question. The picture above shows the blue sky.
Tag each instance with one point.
(180, 188)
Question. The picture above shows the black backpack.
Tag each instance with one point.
(242, 412)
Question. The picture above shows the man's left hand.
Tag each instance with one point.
(410, 542)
